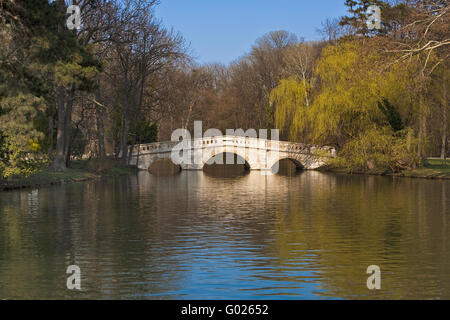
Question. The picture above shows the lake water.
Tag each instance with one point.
(200, 235)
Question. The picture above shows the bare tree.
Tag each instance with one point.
(299, 62)
(331, 30)
(142, 48)
(424, 31)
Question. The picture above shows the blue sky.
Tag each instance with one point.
(223, 30)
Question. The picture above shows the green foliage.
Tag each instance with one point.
(358, 17)
(289, 98)
(37, 54)
(21, 145)
(391, 114)
(350, 86)
(146, 132)
(379, 148)
(350, 94)
(358, 105)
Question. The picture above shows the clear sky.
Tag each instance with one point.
(223, 30)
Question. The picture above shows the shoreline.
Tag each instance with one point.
(413, 174)
(433, 169)
(80, 171)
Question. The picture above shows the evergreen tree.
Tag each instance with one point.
(39, 58)
(358, 16)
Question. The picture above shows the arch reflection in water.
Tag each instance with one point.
(164, 167)
(288, 167)
(226, 165)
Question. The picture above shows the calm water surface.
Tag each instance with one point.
(197, 235)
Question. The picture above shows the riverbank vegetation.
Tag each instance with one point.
(379, 96)
(432, 169)
(80, 170)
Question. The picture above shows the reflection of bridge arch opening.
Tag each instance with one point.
(287, 166)
(163, 166)
(226, 161)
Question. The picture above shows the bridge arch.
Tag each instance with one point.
(144, 162)
(299, 161)
(221, 157)
(258, 154)
(299, 165)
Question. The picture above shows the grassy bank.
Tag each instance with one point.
(432, 169)
(80, 170)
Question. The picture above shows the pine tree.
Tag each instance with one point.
(39, 58)
(358, 16)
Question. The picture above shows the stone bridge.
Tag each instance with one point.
(254, 153)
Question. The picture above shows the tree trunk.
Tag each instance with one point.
(444, 122)
(306, 90)
(50, 135)
(59, 163)
(68, 152)
(100, 126)
(68, 128)
(422, 129)
(130, 150)
(408, 140)
(138, 153)
(444, 134)
(117, 145)
(124, 141)
(188, 117)
(101, 134)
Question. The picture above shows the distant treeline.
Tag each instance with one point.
(378, 95)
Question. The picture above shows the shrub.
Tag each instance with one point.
(379, 148)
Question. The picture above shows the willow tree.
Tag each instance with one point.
(353, 101)
(346, 102)
(291, 102)
(351, 81)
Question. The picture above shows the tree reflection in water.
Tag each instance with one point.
(197, 235)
